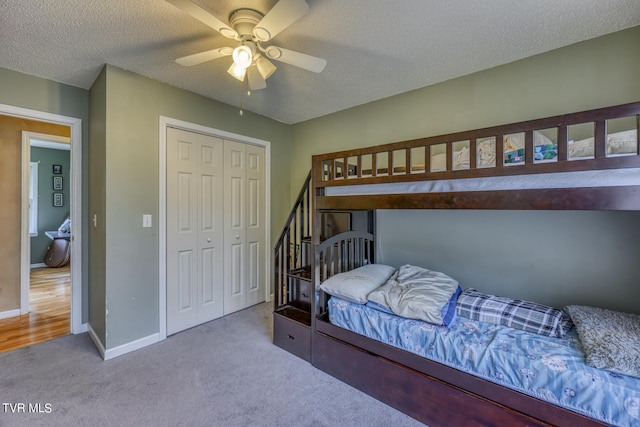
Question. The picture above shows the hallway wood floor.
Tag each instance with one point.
(49, 311)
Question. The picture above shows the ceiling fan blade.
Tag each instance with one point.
(302, 60)
(209, 55)
(283, 14)
(256, 82)
(202, 15)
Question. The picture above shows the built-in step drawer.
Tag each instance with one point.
(300, 293)
(292, 336)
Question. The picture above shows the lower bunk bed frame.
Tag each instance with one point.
(426, 390)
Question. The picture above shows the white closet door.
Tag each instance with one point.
(255, 230)
(244, 225)
(235, 293)
(211, 280)
(194, 229)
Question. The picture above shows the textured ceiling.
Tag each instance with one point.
(374, 48)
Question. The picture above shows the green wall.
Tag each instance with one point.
(131, 152)
(592, 252)
(97, 207)
(552, 257)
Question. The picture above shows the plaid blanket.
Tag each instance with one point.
(526, 315)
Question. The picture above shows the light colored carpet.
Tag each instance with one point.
(224, 373)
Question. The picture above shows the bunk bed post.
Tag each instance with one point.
(528, 147)
(316, 224)
(473, 162)
(600, 134)
(408, 161)
(499, 151)
(563, 134)
(638, 133)
(427, 158)
(374, 165)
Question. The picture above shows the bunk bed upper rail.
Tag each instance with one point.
(601, 140)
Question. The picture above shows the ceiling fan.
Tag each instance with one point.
(251, 29)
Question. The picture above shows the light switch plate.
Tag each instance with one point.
(146, 220)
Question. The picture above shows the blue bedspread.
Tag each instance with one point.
(551, 369)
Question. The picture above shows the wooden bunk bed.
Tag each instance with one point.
(393, 176)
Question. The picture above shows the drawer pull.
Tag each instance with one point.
(291, 337)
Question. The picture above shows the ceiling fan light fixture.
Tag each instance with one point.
(237, 71)
(265, 67)
(250, 28)
(242, 56)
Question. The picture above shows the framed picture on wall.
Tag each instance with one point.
(57, 169)
(57, 183)
(58, 200)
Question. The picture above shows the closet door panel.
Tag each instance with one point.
(182, 231)
(235, 227)
(194, 229)
(236, 271)
(211, 226)
(255, 232)
(186, 301)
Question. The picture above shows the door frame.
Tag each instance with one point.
(77, 326)
(54, 142)
(166, 122)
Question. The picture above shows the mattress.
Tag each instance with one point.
(550, 369)
(593, 178)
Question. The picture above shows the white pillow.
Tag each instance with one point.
(356, 284)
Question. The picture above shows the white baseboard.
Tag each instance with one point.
(131, 346)
(39, 265)
(9, 313)
(96, 340)
(111, 353)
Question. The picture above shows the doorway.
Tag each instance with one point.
(49, 287)
(74, 136)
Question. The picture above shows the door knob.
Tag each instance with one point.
(208, 239)
(237, 236)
